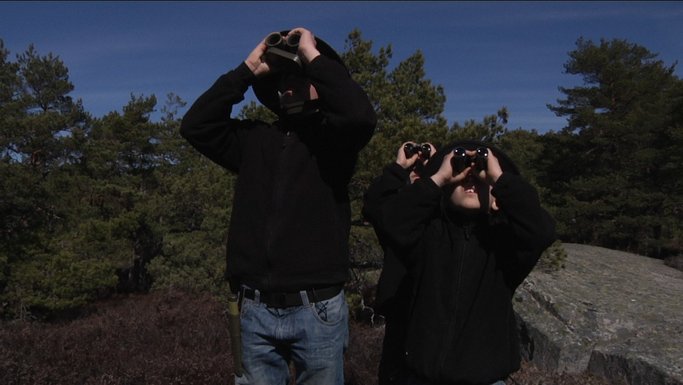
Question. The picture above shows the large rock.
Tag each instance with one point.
(610, 313)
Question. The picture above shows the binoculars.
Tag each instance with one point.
(275, 39)
(423, 150)
(281, 52)
(461, 160)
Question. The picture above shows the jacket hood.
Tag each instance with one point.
(265, 88)
(506, 164)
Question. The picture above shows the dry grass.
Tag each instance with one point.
(166, 338)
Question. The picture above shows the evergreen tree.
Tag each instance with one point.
(42, 130)
(491, 129)
(621, 152)
(409, 107)
(195, 194)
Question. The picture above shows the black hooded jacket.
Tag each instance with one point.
(462, 271)
(290, 217)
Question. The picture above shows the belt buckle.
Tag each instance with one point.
(279, 299)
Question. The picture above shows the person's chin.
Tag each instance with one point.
(471, 208)
(470, 200)
(467, 207)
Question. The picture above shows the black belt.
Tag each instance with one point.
(289, 299)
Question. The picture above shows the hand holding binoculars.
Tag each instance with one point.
(461, 160)
(282, 51)
(423, 150)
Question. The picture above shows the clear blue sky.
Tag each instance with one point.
(486, 55)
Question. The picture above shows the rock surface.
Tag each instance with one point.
(609, 313)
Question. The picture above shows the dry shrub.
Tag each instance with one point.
(162, 338)
(362, 356)
(168, 338)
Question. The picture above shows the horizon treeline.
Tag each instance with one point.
(92, 206)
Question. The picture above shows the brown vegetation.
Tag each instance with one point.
(166, 338)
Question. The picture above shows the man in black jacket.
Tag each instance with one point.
(288, 238)
(467, 232)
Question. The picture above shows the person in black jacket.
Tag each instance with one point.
(467, 233)
(392, 287)
(287, 250)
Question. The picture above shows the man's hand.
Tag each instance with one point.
(307, 50)
(255, 61)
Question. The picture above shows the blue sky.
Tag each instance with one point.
(486, 55)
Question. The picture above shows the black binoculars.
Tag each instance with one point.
(424, 150)
(461, 160)
(281, 52)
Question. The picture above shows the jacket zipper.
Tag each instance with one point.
(274, 199)
(467, 230)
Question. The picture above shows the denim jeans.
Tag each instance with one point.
(313, 337)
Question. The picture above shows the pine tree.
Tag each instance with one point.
(623, 148)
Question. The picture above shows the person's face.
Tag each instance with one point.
(466, 194)
(293, 89)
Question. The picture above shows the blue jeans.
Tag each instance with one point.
(313, 337)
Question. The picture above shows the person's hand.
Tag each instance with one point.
(420, 163)
(493, 169)
(307, 45)
(432, 151)
(256, 62)
(404, 161)
(445, 175)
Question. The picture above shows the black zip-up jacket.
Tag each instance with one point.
(393, 178)
(461, 327)
(291, 216)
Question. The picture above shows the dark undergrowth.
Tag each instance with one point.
(167, 338)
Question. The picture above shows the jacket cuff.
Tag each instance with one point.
(323, 66)
(429, 186)
(243, 73)
(512, 187)
(502, 181)
(396, 170)
(241, 76)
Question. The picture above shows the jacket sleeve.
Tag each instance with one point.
(207, 125)
(402, 217)
(531, 228)
(390, 182)
(349, 115)
(393, 178)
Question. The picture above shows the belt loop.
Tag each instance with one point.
(304, 298)
(244, 289)
(240, 296)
